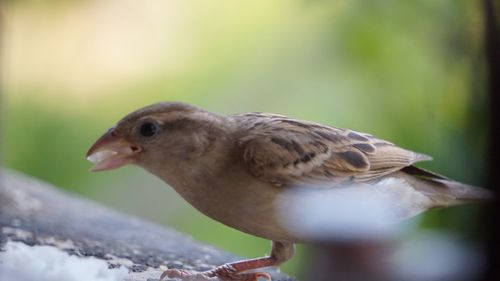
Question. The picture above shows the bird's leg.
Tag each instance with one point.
(281, 252)
(236, 271)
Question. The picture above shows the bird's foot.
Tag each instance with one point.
(221, 273)
(176, 274)
(228, 273)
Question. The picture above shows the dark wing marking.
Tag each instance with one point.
(285, 151)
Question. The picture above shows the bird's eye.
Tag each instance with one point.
(148, 129)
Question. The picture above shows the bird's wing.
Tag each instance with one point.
(285, 151)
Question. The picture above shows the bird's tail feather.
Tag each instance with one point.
(447, 192)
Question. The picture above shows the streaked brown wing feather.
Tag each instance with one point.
(285, 151)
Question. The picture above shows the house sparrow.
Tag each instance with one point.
(234, 168)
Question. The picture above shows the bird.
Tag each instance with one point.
(233, 168)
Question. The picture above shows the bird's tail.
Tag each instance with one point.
(447, 192)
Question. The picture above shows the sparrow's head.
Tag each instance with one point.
(152, 135)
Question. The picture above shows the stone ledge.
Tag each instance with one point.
(36, 213)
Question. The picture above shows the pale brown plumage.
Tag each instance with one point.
(284, 151)
(234, 169)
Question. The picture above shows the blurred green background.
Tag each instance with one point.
(407, 71)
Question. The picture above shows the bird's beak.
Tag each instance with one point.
(111, 152)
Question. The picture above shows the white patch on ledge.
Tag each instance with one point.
(47, 263)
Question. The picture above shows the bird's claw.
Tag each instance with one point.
(184, 275)
(175, 273)
(221, 273)
(229, 273)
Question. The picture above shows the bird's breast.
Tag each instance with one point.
(237, 200)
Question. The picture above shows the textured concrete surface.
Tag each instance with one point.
(36, 213)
